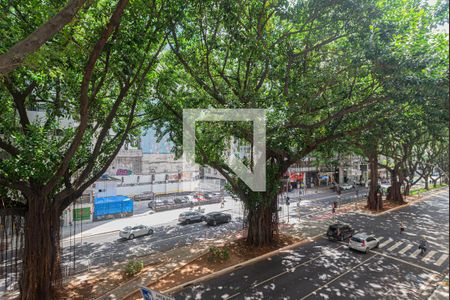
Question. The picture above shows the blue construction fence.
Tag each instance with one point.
(112, 207)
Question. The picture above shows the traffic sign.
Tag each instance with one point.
(148, 294)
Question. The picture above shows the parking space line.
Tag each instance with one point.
(396, 245)
(429, 256)
(441, 260)
(407, 247)
(415, 253)
(386, 242)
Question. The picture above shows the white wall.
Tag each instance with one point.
(105, 189)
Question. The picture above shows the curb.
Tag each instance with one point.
(124, 283)
(163, 276)
(240, 265)
(423, 197)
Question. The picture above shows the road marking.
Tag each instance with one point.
(396, 245)
(414, 255)
(441, 260)
(291, 270)
(340, 275)
(386, 242)
(408, 246)
(406, 262)
(429, 256)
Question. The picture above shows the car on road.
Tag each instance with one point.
(215, 218)
(346, 186)
(363, 242)
(189, 217)
(131, 232)
(339, 232)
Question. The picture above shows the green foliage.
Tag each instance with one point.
(121, 80)
(424, 190)
(217, 254)
(133, 267)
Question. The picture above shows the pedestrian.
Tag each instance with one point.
(222, 203)
(402, 228)
(423, 244)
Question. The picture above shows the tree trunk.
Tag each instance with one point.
(41, 275)
(261, 223)
(395, 193)
(426, 182)
(373, 200)
(407, 190)
(435, 182)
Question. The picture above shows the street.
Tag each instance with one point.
(329, 270)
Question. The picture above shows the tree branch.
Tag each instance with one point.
(17, 53)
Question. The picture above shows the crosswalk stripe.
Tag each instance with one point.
(407, 247)
(415, 253)
(441, 260)
(386, 242)
(429, 256)
(396, 245)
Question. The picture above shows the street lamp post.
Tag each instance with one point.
(152, 177)
(179, 169)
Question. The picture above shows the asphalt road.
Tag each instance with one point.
(109, 248)
(328, 270)
(105, 249)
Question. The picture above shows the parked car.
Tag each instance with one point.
(180, 200)
(363, 242)
(215, 218)
(168, 202)
(339, 232)
(130, 232)
(346, 186)
(156, 202)
(190, 217)
(213, 196)
(189, 198)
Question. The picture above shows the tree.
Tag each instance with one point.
(89, 83)
(306, 62)
(18, 52)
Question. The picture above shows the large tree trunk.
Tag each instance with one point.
(261, 223)
(374, 202)
(395, 193)
(41, 274)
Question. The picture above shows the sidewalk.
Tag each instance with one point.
(156, 267)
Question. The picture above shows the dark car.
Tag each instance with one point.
(340, 232)
(215, 218)
(190, 217)
(180, 200)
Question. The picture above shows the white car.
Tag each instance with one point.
(346, 186)
(363, 242)
(130, 232)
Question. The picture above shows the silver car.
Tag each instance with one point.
(130, 232)
(363, 242)
(190, 217)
